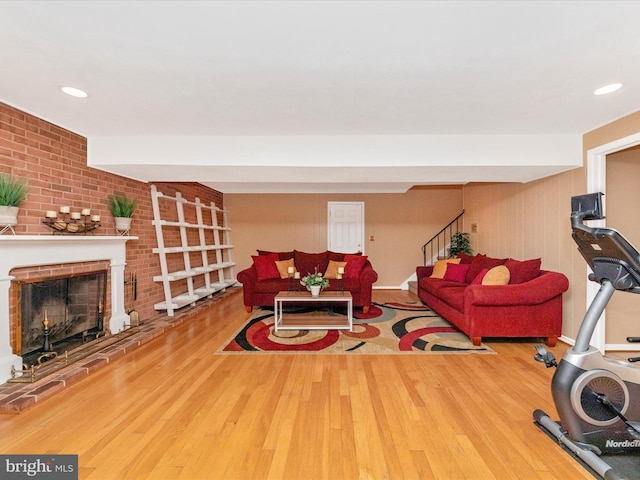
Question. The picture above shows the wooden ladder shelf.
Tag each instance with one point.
(194, 259)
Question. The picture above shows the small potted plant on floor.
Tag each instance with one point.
(122, 208)
(314, 282)
(460, 242)
(12, 193)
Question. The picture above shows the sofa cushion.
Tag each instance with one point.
(434, 285)
(281, 255)
(440, 267)
(479, 277)
(335, 256)
(308, 262)
(349, 285)
(522, 272)
(497, 276)
(354, 265)
(465, 258)
(453, 296)
(479, 262)
(332, 269)
(266, 266)
(456, 272)
(274, 285)
(283, 267)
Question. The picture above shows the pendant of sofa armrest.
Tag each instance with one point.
(368, 275)
(423, 271)
(534, 292)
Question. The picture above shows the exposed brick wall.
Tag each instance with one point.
(54, 162)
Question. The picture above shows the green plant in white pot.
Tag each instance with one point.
(12, 193)
(314, 282)
(122, 208)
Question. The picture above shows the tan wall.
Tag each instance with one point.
(620, 319)
(623, 172)
(532, 220)
(400, 224)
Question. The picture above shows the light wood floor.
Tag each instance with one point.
(174, 410)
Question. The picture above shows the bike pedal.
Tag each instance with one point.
(545, 357)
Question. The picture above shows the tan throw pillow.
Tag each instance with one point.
(332, 269)
(440, 268)
(499, 275)
(283, 268)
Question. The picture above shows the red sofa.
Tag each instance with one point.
(529, 305)
(358, 279)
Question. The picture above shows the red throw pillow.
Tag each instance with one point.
(522, 272)
(281, 255)
(354, 265)
(308, 262)
(465, 258)
(480, 262)
(478, 279)
(456, 272)
(336, 256)
(266, 266)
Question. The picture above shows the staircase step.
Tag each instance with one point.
(413, 286)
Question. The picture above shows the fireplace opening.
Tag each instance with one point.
(59, 314)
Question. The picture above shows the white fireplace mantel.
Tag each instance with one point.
(35, 250)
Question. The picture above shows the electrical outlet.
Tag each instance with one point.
(371, 238)
(474, 228)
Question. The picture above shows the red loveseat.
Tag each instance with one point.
(260, 283)
(528, 305)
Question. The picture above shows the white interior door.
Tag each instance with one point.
(346, 227)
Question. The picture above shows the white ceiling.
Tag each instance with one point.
(421, 75)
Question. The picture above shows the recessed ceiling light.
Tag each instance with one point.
(608, 89)
(74, 92)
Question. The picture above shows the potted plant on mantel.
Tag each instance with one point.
(12, 194)
(122, 208)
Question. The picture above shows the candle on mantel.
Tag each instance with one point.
(338, 276)
(75, 215)
(86, 212)
(296, 275)
(95, 218)
(51, 214)
(290, 269)
(341, 270)
(65, 209)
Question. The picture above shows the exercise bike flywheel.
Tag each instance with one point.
(585, 401)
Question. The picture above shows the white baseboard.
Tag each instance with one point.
(405, 284)
(570, 341)
(622, 347)
(611, 347)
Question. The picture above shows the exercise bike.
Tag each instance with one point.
(597, 398)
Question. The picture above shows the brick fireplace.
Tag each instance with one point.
(42, 250)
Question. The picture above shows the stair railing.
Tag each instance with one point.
(436, 247)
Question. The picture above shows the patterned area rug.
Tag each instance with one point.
(387, 328)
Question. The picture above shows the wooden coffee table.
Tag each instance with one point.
(311, 321)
